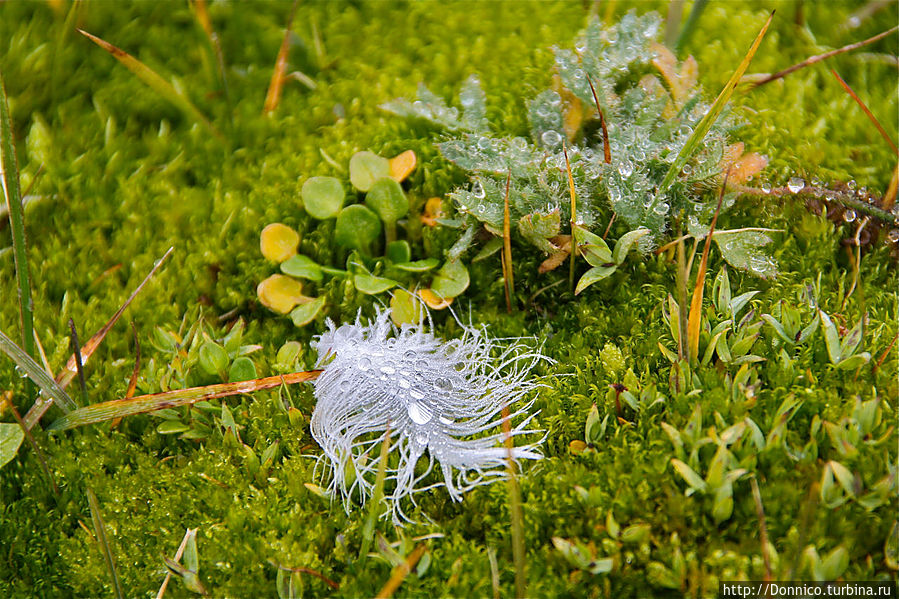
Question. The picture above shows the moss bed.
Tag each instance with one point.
(125, 175)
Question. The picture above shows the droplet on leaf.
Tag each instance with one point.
(278, 242)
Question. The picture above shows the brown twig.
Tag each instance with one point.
(273, 96)
(867, 111)
(818, 58)
(309, 571)
(886, 352)
(606, 148)
(400, 573)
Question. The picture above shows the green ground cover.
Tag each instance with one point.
(124, 175)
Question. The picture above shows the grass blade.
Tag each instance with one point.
(508, 274)
(273, 95)
(889, 198)
(119, 408)
(695, 318)
(12, 194)
(65, 377)
(712, 115)
(515, 511)
(870, 114)
(573, 219)
(191, 532)
(400, 573)
(37, 374)
(155, 81)
(100, 530)
(368, 529)
(819, 57)
(690, 25)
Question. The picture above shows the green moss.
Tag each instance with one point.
(125, 176)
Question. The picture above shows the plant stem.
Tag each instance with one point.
(12, 193)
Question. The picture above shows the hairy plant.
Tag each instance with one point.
(440, 397)
(622, 128)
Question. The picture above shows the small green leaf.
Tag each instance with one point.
(213, 358)
(386, 198)
(852, 340)
(831, 338)
(597, 273)
(592, 426)
(405, 308)
(418, 265)
(323, 197)
(723, 505)
(357, 227)
(835, 563)
(11, 437)
(491, 247)
(302, 267)
(853, 362)
(306, 313)
(451, 280)
(689, 475)
(398, 251)
(372, 285)
(612, 525)
(636, 533)
(172, 427)
(242, 369)
(366, 168)
(625, 243)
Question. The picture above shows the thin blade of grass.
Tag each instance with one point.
(695, 317)
(155, 81)
(886, 352)
(66, 376)
(515, 511)
(168, 575)
(37, 374)
(763, 528)
(100, 530)
(508, 274)
(309, 571)
(606, 148)
(120, 408)
(368, 529)
(711, 116)
(690, 25)
(867, 111)
(573, 218)
(819, 57)
(202, 14)
(273, 95)
(76, 351)
(12, 194)
(400, 573)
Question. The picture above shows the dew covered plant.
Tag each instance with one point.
(441, 397)
(650, 106)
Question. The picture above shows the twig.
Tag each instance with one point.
(606, 148)
(573, 217)
(400, 573)
(178, 554)
(309, 571)
(867, 111)
(273, 96)
(844, 198)
(886, 352)
(819, 57)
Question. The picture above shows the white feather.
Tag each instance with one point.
(440, 398)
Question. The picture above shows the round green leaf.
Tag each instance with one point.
(306, 313)
(302, 267)
(386, 197)
(405, 308)
(357, 227)
(373, 285)
(213, 358)
(242, 369)
(418, 265)
(323, 197)
(398, 251)
(451, 280)
(11, 436)
(366, 168)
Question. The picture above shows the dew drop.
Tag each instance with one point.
(346, 385)
(388, 370)
(625, 169)
(849, 216)
(421, 364)
(520, 143)
(766, 188)
(893, 236)
(554, 99)
(419, 413)
(404, 384)
(551, 138)
(661, 209)
(477, 190)
(421, 439)
(445, 420)
(444, 384)
(391, 343)
(363, 364)
(484, 143)
(851, 185)
(795, 184)
(409, 355)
